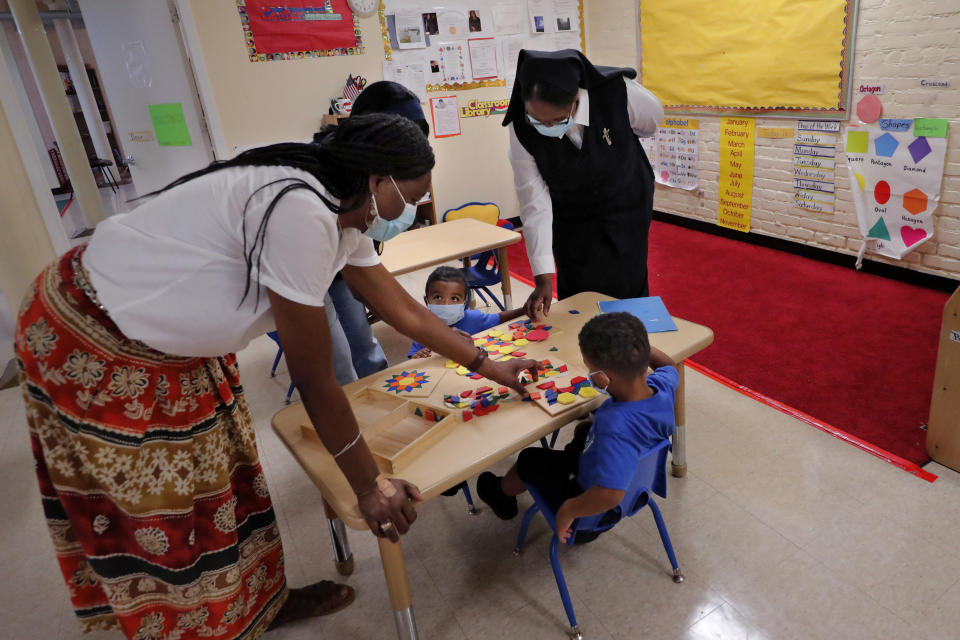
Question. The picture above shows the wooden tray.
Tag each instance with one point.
(402, 435)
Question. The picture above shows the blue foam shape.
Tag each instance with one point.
(886, 145)
(573, 311)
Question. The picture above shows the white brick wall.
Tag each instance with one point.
(899, 42)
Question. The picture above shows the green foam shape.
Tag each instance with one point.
(879, 230)
(858, 141)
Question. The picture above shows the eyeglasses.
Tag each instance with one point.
(555, 123)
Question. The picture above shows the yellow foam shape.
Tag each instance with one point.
(508, 349)
(505, 358)
(463, 405)
(861, 181)
(588, 392)
(491, 348)
(479, 342)
(451, 364)
(566, 398)
(549, 373)
(495, 334)
(506, 338)
(462, 371)
(521, 342)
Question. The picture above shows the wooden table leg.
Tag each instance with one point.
(398, 585)
(342, 556)
(505, 285)
(679, 459)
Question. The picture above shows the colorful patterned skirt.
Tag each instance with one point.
(149, 474)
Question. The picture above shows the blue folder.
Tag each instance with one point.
(651, 310)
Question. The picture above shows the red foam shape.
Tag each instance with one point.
(466, 394)
(484, 390)
(503, 390)
(429, 415)
(519, 354)
(549, 384)
(537, 335)
(467, 416)
(535, 395)
(577, 380)
(562, 369)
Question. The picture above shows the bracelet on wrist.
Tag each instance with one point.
(481, 356)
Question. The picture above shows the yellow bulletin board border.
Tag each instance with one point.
(460, 86)
(838, 111)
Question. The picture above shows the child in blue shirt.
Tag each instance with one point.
(446, 296)
(591, 474)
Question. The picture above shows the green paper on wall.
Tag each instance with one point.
(930, 127)
(170, 125)
(858, 141)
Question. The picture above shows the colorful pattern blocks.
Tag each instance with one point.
(406, 381)
(476, 402)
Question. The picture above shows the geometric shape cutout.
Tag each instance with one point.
(915, 201)
(861, 181)
(858, 141)
(412, 382)
(919, 149)
(886, 145)
(869, 109)
(881, 192)
(911, 236)
(879, 231)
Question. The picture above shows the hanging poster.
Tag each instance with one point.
(410, 31)
(169, 124)
(453, 62)
(814, 157)
(508, 18)
(452, 22)
(676, 164)
(483, 58)
(292, 29)
(736, 173)
(409, 74)
(896, 167)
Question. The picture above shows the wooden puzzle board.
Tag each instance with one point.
(571, 380)
(412, 382)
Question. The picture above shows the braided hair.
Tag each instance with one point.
(342, 158)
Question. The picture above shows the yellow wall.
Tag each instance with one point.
(263, 102)
(24, 244)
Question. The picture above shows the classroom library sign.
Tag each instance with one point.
(736, 173)
(896, 167)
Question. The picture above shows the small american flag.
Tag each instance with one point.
(353, 87)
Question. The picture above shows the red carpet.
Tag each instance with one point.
(853, 350)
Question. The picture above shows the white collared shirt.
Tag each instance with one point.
(536, 209)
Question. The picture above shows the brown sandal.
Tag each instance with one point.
(320, 599)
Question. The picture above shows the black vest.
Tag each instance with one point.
(602, 197)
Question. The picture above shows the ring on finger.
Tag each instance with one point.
(385, 527)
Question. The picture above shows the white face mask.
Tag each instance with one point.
(595, 385)
(381, 229)
(451, 314)
(553, 130)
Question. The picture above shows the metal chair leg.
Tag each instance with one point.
(276, 362)
(665, 538)
(471, 509)
(562, 587)
(524, 524)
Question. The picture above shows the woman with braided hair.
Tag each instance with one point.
(144, 444)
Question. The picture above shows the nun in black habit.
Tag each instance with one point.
(584, 183)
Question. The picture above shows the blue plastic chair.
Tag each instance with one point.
(484, 272)
(276, 361)
(650, 477)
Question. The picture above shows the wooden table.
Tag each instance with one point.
(436, 244)
(473, 446)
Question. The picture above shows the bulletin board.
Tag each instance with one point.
(471, 44)
(289, 30)
(764, 57)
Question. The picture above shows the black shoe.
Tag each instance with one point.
(584, 537)
(488, 488)
(452, 491)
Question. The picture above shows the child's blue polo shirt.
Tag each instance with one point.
(472, 322)
(623, 431)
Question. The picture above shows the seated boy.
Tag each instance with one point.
(446, 297)
(591, 474)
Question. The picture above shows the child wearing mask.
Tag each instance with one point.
(446, 296)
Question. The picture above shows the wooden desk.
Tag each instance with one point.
(439, 243)
(475, 445)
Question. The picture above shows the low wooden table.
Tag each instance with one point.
(439, 243)
(473, 446)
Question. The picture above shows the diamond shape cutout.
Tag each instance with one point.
(919, 149)
(915, 201)
(886, 145)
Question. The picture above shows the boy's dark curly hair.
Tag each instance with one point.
(616, 342)
(447, 274)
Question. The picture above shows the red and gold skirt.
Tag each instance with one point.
(149, 474)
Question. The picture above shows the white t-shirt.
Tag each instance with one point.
(171, 273)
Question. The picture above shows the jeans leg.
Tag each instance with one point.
(342, 365)
(365, 350)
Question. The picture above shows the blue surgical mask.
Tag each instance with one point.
(451, 314)
(553, 130)
(381, 229)
(595, 385)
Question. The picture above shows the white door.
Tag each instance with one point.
(141, 62)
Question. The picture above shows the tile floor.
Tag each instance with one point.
(782, 531)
